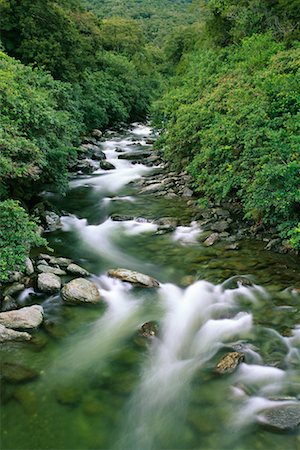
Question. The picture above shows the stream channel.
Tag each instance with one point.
(104, 386)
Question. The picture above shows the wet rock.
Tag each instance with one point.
(52, 221)
(149, 329)
(105, 165)
(48, 269)
(99, 156)
(27, 317)
(167, 223)
(15, 373)
(7, 335)
(220, 226)
(282, 418)
(211, 240)
(15, 288)
(77, 270)
(97, 133)
(220, 212)
(121, 217)
(86, 166)
(229, 362)
(48, 283)
(61, 262)
(44, 256)
(80, 291)
(150, 141)
(133, 277)
(29, 270)
(237, 281)
(135, 156)
(8, 303)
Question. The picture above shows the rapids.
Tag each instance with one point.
(104, 386)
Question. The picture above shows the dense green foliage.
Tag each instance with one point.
(18, 233)
(232, 115)
(155, 17)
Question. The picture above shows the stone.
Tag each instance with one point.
(52, 221)
(77, 270)
(48, 283)
(7, 335)
(41, 268)
(167, 223)
(152, 188)
(237, 281)
(224, 213)
(211, 240)
(86, 166)
(135, 156)
(8, 303)
(150, 141)
(233, 246)
(27, 317)
(121, 217)
(149, 329)
(133, 277)
(29, 270)
(99, 156)
(220, 226)
(80, 291)
(16, 373)
(15, 288)
(282, 418)
(61, 262)
(97, 133)
(15, 276)
(187, 192)
(229, 362)
(105, 165)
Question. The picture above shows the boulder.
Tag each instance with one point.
(48, 283)
(211, 240)
(105, 165)
(135, 156)
(97, 133)
(135, 278)
(8, 303)
(15, 373)
(61, 262)
(80, 291)
(282, 418)
(15, 288)
(77, 270)
(41, 268)
(7, 335)
(27, 318)
(229, 362)
(52, 221)
(187, 192)
(220, 226)
(29, 270)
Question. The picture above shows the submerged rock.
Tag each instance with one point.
(229, 362)
(133, 277)
(7, 335)
(16, 373)
(27, 318)
(48, 283)
(282, 418)
(79, 291)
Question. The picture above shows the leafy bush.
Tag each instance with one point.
(18, 233)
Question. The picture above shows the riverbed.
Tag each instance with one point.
(103, 385)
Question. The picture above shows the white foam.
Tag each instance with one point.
(187, 235)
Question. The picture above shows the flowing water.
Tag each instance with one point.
(104, 386)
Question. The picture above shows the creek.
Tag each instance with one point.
(104, 386)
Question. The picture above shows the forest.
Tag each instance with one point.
(219, 78)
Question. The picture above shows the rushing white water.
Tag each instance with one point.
(187, 235)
